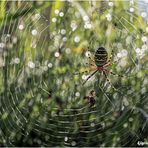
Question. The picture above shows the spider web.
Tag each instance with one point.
(41, 104)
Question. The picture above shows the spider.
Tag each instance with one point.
(101, 63)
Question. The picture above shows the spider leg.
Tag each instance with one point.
(107, 64)
(104, 72)
(91, 59)
(110, 72)
(78, 73)
(90, 76)
(89, 55)
(106, 77)
(116, 74)
(110, 56)
(91, 64)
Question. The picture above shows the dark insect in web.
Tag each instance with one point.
(91, 98)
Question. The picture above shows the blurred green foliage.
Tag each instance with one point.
(43, 45)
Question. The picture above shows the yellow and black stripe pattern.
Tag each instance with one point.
(101, 56)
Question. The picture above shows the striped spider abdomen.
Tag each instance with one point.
(101, 57)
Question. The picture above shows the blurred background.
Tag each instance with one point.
(44, 51)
